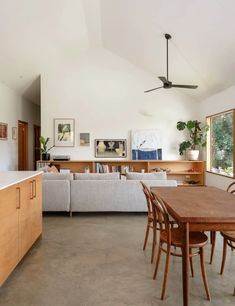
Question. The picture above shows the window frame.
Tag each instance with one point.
(208, 146)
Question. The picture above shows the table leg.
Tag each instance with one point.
(185, 264)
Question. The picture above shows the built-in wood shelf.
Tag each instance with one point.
(183, 171)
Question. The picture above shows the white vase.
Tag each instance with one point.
(193, 154)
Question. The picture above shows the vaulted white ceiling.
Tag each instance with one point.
(39, 35)
(202, 49)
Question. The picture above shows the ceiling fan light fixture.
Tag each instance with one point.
(165, 80)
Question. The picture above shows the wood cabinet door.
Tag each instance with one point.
(37, 208)
(9, 235)
(30, 213)
(25, 217)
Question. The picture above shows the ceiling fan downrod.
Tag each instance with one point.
(167, 36)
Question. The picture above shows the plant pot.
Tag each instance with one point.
(45, 156)
(193, 154)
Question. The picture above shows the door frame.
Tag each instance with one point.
(35, 126)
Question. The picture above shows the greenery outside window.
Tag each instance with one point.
(220, 140)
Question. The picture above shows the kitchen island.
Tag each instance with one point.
(20, 216)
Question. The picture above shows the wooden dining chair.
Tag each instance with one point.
(151, 221)
(169, 237)
(229, 238)
(230, 189)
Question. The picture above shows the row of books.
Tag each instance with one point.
(103, 168)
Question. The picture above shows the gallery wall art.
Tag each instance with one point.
(146, 145)
(84, 139)
(14, 133)
(3, 131)
(110, 148)
(64, 132)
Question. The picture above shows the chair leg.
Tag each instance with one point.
(213, 239)
(168, 254)
(158, 259)
(191, 263)
(232, 247)
(204, 274)
(146, 237)
(153, 242)
(224, 256)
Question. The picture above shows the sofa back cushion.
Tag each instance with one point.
(146, 176)
(112, 195)
(97, 176)
(57, 176)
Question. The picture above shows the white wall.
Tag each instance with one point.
(104, 94)
(13, 108)
(220, 102)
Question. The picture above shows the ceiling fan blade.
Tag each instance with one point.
(163, 79)
(185, 86)
(152, 89)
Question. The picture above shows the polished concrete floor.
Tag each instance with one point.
(94, 260)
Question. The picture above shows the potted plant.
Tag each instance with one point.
(197, 138)
(44, 149)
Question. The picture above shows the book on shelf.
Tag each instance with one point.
(106, 168)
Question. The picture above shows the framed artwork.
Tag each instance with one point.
(84, 139)
(64, 132)
(110, 148)
(146, 145)
(14, 133)
(3, 131)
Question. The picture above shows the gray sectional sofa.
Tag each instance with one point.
(99, 192)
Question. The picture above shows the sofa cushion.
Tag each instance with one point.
(160, 183)
(112, 195)
(146, 176)
(57, 176)
(109, 195)
(97, 176)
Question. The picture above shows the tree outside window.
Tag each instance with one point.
(220, 153)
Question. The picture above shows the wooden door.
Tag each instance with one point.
(37, 152)
(22, 145)
(9, 234)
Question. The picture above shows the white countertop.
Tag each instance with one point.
(9, 178)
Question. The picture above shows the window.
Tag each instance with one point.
(220, 139)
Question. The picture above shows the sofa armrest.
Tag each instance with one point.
(56, 195)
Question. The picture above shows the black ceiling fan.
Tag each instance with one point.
(165, 80)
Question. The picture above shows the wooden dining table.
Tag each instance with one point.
(197, 209)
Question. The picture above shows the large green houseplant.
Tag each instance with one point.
(44, 148)
(197, 138)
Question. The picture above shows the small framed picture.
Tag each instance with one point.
(84, 139)
(14, 133)
(64, 132)
(3, 131)
(107, 148)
